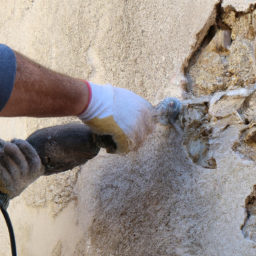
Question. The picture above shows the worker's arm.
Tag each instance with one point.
(40, 92)
(28, 89)
(35, 91)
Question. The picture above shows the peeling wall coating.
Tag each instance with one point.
(190, 189)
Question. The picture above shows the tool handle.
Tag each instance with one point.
(64, 147)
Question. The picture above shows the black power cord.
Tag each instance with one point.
(4, 201)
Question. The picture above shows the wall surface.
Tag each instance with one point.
(188, 190)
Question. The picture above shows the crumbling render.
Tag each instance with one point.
(249, 227)
(57, 192)
(220, 91)
(223, 66)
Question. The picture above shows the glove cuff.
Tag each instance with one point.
(4, 200)
(101, 102)
(89, 98)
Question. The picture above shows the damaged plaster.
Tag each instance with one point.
(226, 58)
(249, 226)
(223, 67)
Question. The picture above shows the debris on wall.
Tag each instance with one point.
(194, 120)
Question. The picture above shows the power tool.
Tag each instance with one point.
(64, 147)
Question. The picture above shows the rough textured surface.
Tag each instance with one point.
(188, 191)
(228, 61)
(55, 192)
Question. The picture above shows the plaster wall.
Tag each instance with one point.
(156, 201)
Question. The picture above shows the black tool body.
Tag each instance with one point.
(64, 147)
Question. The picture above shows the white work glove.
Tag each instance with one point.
(120, 113)
(20, 165)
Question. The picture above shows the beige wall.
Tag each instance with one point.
(152, 202)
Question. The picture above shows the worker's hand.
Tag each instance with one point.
(120, 113)
(20, 165)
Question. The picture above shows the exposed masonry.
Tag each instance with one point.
(220, 84)
(221, 92)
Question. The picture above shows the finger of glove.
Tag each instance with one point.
(34, 162)
(2, 143)
(134, 115)
(10, 166)
(6, 180)
(141, 126)
(17, 157)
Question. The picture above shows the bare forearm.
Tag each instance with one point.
(40, 92)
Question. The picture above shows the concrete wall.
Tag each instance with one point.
(161, 200)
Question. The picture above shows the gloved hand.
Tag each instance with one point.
(20, 165)
(120, 113)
